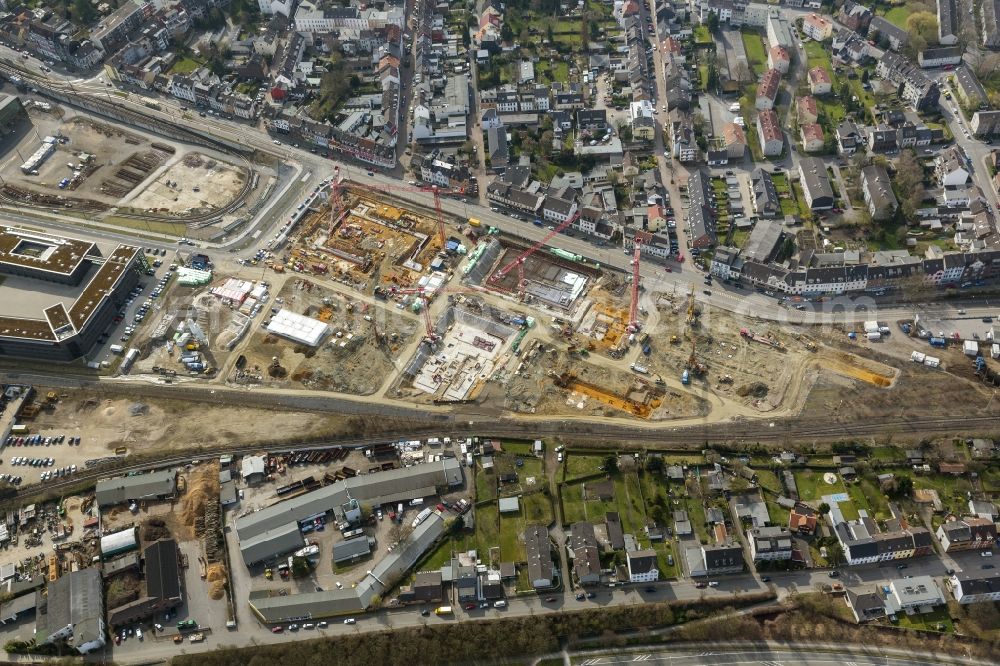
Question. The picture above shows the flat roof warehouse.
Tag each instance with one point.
(48, 258)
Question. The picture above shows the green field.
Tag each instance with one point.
(536, 508)
(702, 35)
(185, 66)
(511, 545)
(937, 620)
(800, 201)
(898, 15)
(486, 484)
(812, 486)
(578, 465)
(756, 55)
(788, 205)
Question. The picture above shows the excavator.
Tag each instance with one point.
(693, 364)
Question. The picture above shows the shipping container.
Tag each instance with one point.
(938, 342)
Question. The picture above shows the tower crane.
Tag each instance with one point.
(518, 262)
(432, 335)
(633, 311)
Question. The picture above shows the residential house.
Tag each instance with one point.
(808, 110)
(812, 137)
(940, 56)
(802, 519)
(970, 91)
(497, 151)
(516, 198)
(539, 556)
(817, 27)
(815, 184)
(779, 32)
(848, 138)
(952, 167)
(820, 82)
(967, 534)
(877, 190)
(642, 566)
(719, 559)
(557, 209)
(883, 140)
(947, 15)
(735, 140)
(881, 29)
(767, 90)
(641, 119)
(985, 124)
(701, 210)
(586, 555)
(866, 606)
(916, 594)
(770, 543)
(854, 16)
(765, 196)
(912, 84)
(975, 586)
(989, 12)
(772, 141)
(779, 59)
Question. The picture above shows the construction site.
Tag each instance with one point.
(356, 354)
(362, 241)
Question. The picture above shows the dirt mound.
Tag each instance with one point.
(216, 577)
(155, 529)
(755, 389)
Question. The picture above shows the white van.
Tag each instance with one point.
(500, 604)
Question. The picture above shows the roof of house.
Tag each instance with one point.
(586, 557)
(814, 178)
(733, 135)
(779, 52)
(768, 87)
(770, 127)
(812, 132)
(641, 561)
(807, 105)
(978, 582)
(539, 552)
(875, 180)
(819, 75)
(889, 29)
(763, 240)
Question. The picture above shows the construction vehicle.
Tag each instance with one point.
(692, 310)
(764, 340)
(674, 340)
(693, 364)
(197, 637)
(685, 378)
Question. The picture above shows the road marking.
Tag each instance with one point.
(642, 657)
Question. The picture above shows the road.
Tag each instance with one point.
(782, 584)
(841, 310)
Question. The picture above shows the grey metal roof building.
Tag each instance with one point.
(155, 485)
(350, 549)
(73, 609)
(273, 543)
(379, 488)
(815, 183)
(327, 603)
(763, 240)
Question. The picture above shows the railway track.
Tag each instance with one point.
(42, 84)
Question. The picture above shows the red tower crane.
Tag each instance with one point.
(520, 259)
(435, 190)
(633, 311)
(424, 309)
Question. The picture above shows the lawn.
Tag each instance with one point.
(756, 55)
(185, 66)
(750, 119)
(812, 486)
(765, 477)
(898, 15)
(928, 621)
(487, 529)
(631, 507)
(887, 453)
(547, 71)
(511, 545)
(582, 465)
(788, 205)
(951, 490)
(702, 35)
(486, 485)
(536, 508)
(800, 201)
(865, 494)
(702, 77)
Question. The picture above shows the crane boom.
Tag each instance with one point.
(633, 311)
(519, 261)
